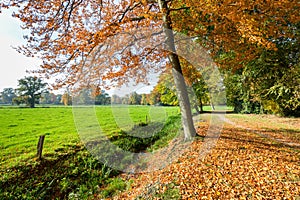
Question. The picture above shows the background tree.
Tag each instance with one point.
(135, 98)
(18, 100)
(31, 87)
(164, 91)
(115, 99)
(7, 95)
(126, 99)
(85, 97)
(201, 91)
(144, 99)
(47, 98)
(58, 99)
(66, 98)
(102, 99)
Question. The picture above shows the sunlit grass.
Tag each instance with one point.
(20, 128)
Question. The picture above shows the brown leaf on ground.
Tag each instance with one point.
(243, 165)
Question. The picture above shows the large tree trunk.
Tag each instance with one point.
(182, 93)
(31, 100)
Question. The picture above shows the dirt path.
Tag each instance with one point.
(247, 163)
(282, 130)
(281, 138)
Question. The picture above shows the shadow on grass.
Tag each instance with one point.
(260, 142)
(140, 137)
(55, 176)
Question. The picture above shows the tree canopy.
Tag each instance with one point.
(64, 33)
(30, 88)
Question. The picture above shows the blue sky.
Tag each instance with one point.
(13, 64)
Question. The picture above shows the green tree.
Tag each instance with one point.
(102, 99)
(135, 98)
(18, 100)
(7, 95)
(125, 99)
(145, 99)
(201, 91)
(85, 96)
(278, 78)
(31, 87)
(165, 92)
(48, 98)
(57, 99)
(269, 83)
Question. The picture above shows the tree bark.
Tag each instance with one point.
(182, 93)
(31, 100)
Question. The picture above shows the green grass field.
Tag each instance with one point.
(20, 128)
(67, 170)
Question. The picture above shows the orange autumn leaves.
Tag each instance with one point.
(243, 165)
(65, 34)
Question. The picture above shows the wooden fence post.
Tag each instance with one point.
(40, 146)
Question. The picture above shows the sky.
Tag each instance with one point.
(13, 65)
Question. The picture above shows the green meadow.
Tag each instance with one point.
(67, 170)
(20, 128)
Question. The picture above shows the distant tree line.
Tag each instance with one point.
(32, 90)
(29, 92)
(11, 96)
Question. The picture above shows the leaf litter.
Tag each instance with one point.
(243, 165)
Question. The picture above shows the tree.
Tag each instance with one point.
(7, 95)
(145, 99)
(115, 99)
(58, 99)
(48, 98)
(201, 91)
(85, 97)
(31, 87)
(102, 99)
(66, 33)
(66, 98)
(126, 99)
(135, 98)
(270, 83)
(18, 100)
(164, 92)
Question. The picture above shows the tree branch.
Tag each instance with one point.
(129, 8)
(177, 9)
